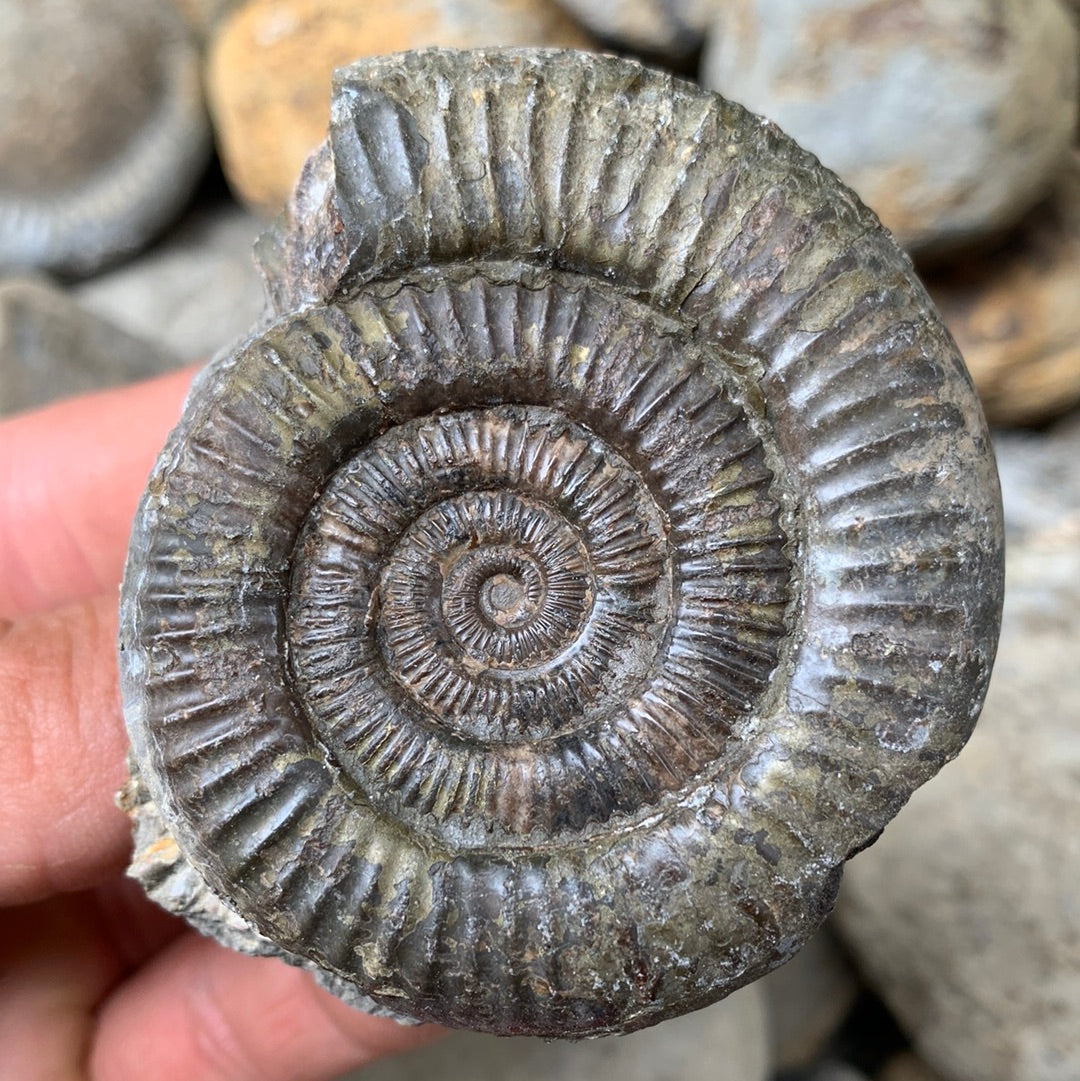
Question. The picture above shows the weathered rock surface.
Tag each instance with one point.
(808, 999)
(966, 913)
(52, 348)
(103, 134)
(192, 294)
(269, 68)
(1014, 313)
(725, 1042)
(950, 118)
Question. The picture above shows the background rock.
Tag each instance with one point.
(725, 1042)
(907, 1067)
(270, 62)
(203, 15)
(671, 28)
(51, 348)
(1014, 312)
(194, 293)
(966, 913)
(103, 135)
(950, 118)
(827, 1070)
(808, 999)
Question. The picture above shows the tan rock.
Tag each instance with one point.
(1016, 313)
(269, 68)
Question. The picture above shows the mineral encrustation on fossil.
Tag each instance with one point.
(594, 548)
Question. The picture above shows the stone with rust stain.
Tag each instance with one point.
(950, 118)
(1014, 312)
(270, 62)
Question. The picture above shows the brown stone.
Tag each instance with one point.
(1015, 313)
(270, 63)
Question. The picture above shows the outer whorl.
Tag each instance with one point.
(597, 547)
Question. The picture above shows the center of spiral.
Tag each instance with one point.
(503, 600)
(514, 585)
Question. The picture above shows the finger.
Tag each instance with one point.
(55, 969)
(201, 1011)
(58, 959)
(62, 758)
(70, 479)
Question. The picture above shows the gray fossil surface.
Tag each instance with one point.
(597, 544)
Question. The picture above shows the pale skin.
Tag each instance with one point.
(97, 983)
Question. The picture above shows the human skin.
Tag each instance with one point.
(96, 982)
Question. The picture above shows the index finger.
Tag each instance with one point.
(70, 479)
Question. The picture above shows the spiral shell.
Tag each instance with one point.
(596, 547)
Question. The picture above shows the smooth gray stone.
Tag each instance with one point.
(50, 348)
(808, 998)
(195, 292)
(103, 133)
(950, 118)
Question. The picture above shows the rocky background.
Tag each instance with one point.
(954, 952)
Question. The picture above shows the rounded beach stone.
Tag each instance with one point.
(270, 62)
(103, 134)
(950, 118)
(1014, 312)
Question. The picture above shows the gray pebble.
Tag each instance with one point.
(52, 348)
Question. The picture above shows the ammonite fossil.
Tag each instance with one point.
(594, 549)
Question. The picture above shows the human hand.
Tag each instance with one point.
(96, 982)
